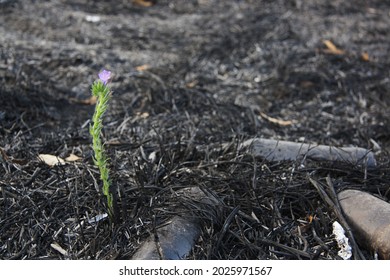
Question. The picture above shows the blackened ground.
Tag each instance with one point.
(192, 80)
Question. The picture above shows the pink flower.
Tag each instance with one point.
(105, 76)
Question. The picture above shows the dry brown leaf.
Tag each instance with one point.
(72, 157)
(365, 56)
(143, 67)
(332, 49)
(144, 3)
(142, 115)
(89, 101)
(113, 142)
(51, 160)
(276, 121)
(192, 84)
(307, 84)
(3, 156)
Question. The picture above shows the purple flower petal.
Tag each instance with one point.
(104, 76)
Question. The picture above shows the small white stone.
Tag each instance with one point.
(345, 250)
(92, 18)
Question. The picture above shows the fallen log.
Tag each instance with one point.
(369, 219)
(275, 150)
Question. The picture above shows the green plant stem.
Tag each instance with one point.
(102, 92)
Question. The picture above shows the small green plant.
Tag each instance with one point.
(102, 92)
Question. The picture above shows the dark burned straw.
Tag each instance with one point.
(102, 92)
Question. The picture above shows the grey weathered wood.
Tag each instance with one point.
(275, 150)
(175, 241)
(177, 237)
(369, 218)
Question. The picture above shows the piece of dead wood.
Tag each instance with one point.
(89, 101)
(144, 3)
(176, 238)
(275, 150)
(142, 67)
(331, 48)
(59, 249)
(277, 121)
(369, 217)
(329, 196)
(174, 241)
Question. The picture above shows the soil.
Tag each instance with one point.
(192, 80)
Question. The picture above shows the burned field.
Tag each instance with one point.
(193, 80)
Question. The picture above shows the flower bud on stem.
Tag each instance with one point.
(102, 92)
